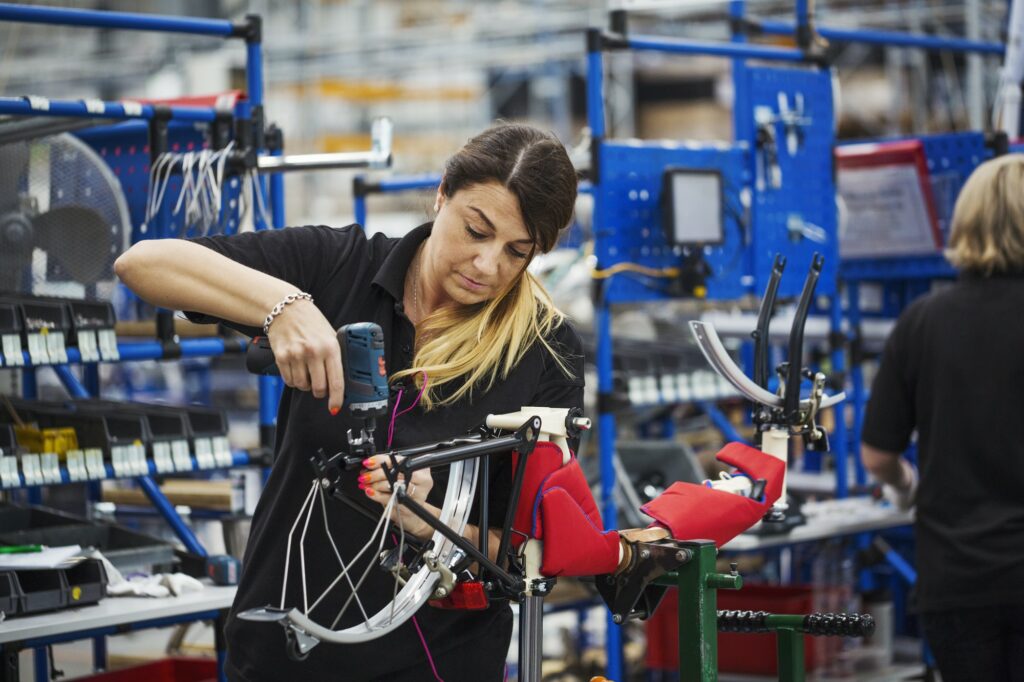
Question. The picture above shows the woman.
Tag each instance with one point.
(953, 370)
(457, 307)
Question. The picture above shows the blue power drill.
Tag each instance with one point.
(366, 376)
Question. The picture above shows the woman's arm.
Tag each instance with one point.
(180, 275)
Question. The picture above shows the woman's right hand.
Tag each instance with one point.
(307, 352)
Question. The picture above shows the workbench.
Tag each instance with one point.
(111, 616)
(827, 519)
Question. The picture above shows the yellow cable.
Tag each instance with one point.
(667, 273)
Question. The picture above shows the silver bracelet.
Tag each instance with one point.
(279, 308)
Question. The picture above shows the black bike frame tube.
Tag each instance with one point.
(791, 404)
(485, 501)
(517, 487)
(432, 459)
(764, 320)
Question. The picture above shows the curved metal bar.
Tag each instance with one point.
(718, 357)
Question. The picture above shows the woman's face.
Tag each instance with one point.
(478, 245)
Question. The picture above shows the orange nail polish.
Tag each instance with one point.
(362, 486)
(369, 492)
(365, 478)
(335, 411)
(367, 463)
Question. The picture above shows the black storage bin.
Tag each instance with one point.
(10, 594)
(87, 582)
(126, 549)
(42, 590)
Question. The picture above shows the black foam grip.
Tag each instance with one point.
(742, 621)
(839, 624)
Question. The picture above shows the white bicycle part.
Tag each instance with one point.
(412, 595)
(719, 358)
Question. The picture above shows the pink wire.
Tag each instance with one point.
(395, 414)
(426, 649)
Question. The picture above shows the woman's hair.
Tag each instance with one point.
(476, 345)
(987, 235)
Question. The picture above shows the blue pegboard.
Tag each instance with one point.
(125, 148)
(627, 216)
(807, 192)
(627, 212)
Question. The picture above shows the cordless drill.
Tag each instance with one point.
(366, 377)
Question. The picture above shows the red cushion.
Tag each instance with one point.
(567, 519)
(545, 459)
(691, 511)
(556, 506)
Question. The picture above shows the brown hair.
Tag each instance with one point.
(531, 164)
(987, 235)
(476, 345)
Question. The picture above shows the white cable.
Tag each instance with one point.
(291, 533)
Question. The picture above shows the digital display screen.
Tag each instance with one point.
(693, 207)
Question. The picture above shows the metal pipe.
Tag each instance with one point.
(71, 382)
(26, 106)
(307, 162)
(595, 93)
(531, 614)
(402, 184)
(891, 38)
(713, 49)
(170, 514)
(121, 20)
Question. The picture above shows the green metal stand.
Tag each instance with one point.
(697, 582)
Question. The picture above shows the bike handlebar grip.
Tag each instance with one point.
(839, 624)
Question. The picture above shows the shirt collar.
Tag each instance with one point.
(391, 276)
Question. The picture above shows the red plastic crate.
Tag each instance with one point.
(175, 669)
(754, 654)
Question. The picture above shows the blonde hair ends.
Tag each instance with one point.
(476, 346)
(987, 235)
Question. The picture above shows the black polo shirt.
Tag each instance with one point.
(353, 278)
(953, 369)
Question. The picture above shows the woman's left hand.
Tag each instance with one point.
(375, 484)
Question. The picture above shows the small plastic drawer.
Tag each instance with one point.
(10, 594)
(42, 590)
(87, 582)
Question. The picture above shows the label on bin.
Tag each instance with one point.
(31, 470)
(12, 350)
(49, 463)
(119, 460)
(222, 452)
(181, 456)
(94, 463)
(204, 454)
(9, 472)
(76, 465)
(162, 457)
(88, 346)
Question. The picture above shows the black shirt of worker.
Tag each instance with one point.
(953, 369)
(353, 278)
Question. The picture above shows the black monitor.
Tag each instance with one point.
(692, 206)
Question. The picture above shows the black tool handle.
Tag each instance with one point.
(259, 358)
